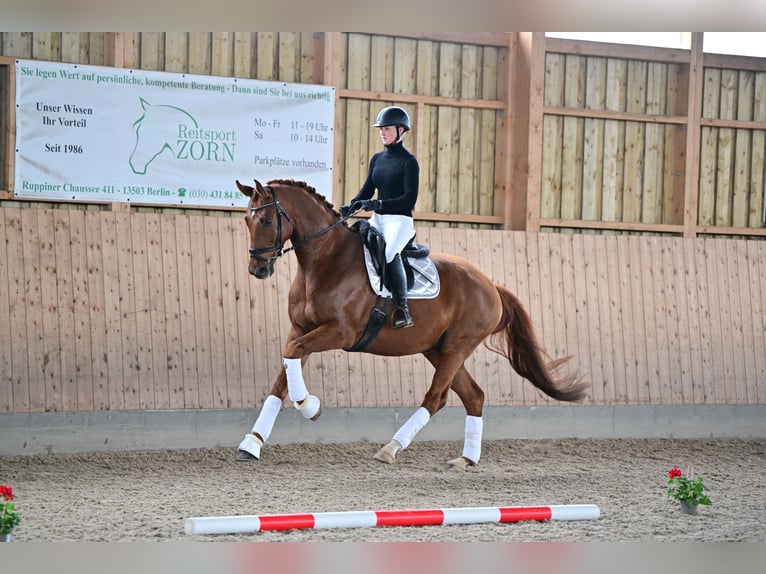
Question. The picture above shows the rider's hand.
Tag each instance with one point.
(348, 209)
(371, 204)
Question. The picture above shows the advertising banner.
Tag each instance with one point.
(91, 133)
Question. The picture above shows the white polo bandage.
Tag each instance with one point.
(296, 388)
(408, 430)
(265, 421)
(474, 427)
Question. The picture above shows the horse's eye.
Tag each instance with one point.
(267, 221)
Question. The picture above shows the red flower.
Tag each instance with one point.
(6, 492)
(674, 473)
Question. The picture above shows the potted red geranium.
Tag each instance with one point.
(688, 490)
(9, 518)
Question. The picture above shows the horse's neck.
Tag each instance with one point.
(316, 250)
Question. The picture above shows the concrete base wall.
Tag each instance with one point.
(41, 433)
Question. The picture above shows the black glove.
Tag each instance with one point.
(348, 209)
(371, 204)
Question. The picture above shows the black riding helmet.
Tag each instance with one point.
(392, 116)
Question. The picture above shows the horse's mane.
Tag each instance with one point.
(311, 191)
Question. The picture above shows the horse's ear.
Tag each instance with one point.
(259, 189)
(245, 189)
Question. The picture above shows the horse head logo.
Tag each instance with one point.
(156, 131)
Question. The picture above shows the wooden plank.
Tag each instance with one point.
(553, 129)
(215, 311)
(426, 81)
(229, 296)
(307, 66)
(112, 320)
(605, 332)
(96, 309)
(171, 307)
(615, 317)
(82, 329)
(156, 311)
(468, 143)
(448, 158)
(627, 283)
(187, 298)
(654, 145)
(143, 310)
(708, 296)
(640, 332)
(573, 131)
(222, 54)
(176, 52)
(694, 393)
(684, 304)
(487, 145)
(614, 142)
(635, 142)
(476, 253)
(496, 375)
(50, 342)
(128, 310)
(651, 394)
(741, 190)
(665, 319)
(723, 285)
(743, 267)
(200, 53)
(739, 331)
(287, 57)
(569, 306)
(244, 47)
(725, 160)
(19, 374)
(6, 339)
(581, 304)
(152, 50)
(757, 254)
(593, 134)
(32, 302)
(717, 320)
(591, 283)
(758, 177)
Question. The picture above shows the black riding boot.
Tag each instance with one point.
(398, 282)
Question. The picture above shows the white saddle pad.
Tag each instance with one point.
(426, 285)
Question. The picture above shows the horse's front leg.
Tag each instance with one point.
(290, 383)
(250, 447)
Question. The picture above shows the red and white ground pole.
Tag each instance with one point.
(371, 518)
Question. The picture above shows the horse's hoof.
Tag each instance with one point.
(459, 464)
(244, 456)
(316, 416)
(388, 453)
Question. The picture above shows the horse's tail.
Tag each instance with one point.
(514, 338)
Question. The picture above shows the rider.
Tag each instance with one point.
(395, 173)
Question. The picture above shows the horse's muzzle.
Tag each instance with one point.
(261, 269)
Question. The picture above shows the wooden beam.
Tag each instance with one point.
(118, 49)
(517, 131)
(693, 134)
(535, 130)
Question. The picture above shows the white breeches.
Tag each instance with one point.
(397, 230)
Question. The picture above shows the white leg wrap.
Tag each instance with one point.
(309, 408)
(265, 421)
(472, 445)
(408, 430)
(296, 388)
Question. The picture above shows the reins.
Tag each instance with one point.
(278, 242)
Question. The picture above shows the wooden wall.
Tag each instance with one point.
(638, 163)
(104, 310)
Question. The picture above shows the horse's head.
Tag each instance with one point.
(269, 227)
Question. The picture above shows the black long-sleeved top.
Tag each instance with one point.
(395, 173)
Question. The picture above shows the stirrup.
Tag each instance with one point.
(401, 318)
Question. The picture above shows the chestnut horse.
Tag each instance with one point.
(330, 302)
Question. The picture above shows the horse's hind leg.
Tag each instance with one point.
(473, 400)
(447, 363)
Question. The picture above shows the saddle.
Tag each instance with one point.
(376, 246)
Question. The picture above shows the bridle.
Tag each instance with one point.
(276, 248)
